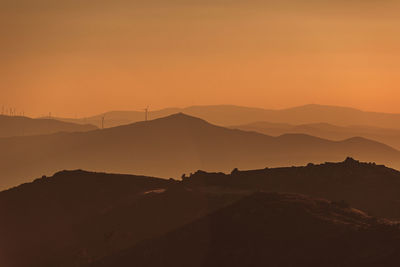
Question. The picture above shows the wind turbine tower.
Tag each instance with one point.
(146, 113)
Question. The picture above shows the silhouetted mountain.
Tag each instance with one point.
(23, 126)
(78, 217)
(173, 145)
(267, 229)
(390, 137)
(227, 115)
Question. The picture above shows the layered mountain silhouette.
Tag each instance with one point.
(327, 131)
(173, 145)
(24, 126)
(227, 115)
(79, 218)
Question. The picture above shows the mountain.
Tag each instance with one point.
(227, 115)
(390, 137)
(173, 145)
(23, 126)
(74, 218)
(270, 229)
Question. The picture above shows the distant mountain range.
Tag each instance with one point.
(171, 146)
(227, 115)
(390, 137)
(79, 218)
(22, 126)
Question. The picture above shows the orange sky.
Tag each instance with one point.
(83, 57)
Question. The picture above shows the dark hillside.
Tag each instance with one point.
(366, 186)
(267, 229)
(75, 217)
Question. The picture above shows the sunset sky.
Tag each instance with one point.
(82, 57)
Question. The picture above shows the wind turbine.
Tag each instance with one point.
(146, 112)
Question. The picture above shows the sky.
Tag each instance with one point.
(79, 58)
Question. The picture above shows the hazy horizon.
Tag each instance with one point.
(80, 58)
(81, 115)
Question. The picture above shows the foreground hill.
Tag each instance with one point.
(227, 115)
(75, 217)
(267, 229)
(366, 186)
(23, 126)
(173, 145)
(390, 137)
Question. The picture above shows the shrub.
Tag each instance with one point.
(234, 171)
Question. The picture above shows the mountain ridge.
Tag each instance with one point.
(227, 115)
(329, 131)
(23, 126)
(170, 146)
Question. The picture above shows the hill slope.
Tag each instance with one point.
(227, 115)
(173, 145)
(23, 126)
(267, 229)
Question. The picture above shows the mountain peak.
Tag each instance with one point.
(180, 115)
(180, 118)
